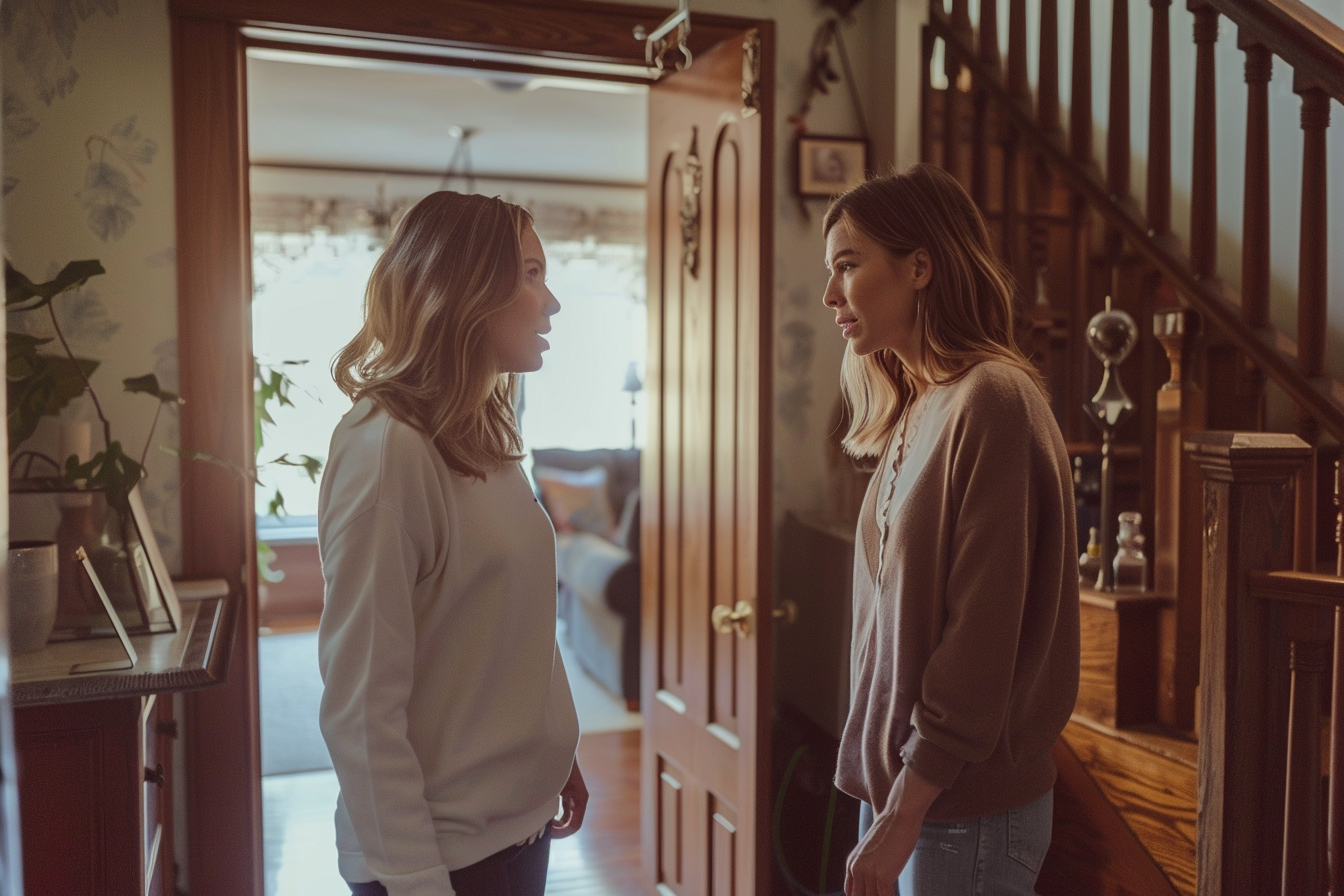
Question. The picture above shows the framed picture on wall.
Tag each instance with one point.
(830, 165)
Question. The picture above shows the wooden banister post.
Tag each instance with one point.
(1249, 481)
(1178, 494)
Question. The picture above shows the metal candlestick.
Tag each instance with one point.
(1111, 335)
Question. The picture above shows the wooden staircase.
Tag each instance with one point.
(1142, 806)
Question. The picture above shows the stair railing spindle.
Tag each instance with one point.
(1117, 124)
(1080, 85)
(1203, 179)
(1335, 800)
(1159, 122)
(981, 129)
(1303, 840)
(1255, 214)
(1311, 296)
(1047, 77)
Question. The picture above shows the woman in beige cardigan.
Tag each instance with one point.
(964, 663)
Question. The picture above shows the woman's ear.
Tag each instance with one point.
(922, 268)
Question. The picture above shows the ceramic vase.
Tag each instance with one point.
(33, 573)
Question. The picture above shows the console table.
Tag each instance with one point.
(95, 753)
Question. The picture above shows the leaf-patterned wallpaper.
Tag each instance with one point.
(87, 128)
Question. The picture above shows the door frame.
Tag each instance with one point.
(209, 43)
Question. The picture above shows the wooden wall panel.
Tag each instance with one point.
(223, 785)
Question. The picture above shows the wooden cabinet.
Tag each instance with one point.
(95, 757)
(94, 782)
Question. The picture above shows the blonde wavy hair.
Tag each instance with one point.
(422, 353)
(966, 313)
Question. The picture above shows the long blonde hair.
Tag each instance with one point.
(422, 353)
(965, 313)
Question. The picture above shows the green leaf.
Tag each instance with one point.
(113, 471)
(149, 385)
(39, 386)
(309, 464)
(19, 289)
(277, 506)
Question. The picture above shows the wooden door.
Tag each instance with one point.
(706, 476)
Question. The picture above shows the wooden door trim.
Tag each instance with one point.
(223, 763)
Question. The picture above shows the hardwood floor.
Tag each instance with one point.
(603, 858)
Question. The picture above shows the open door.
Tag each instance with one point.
(707, 476)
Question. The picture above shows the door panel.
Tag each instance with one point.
(706, 476)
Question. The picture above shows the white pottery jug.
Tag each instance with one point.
(33, 571)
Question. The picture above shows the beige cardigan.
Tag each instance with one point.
(964, 660)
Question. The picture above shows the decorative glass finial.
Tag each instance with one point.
(1111, 334)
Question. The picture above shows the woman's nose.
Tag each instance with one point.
(831, 298)
(553, 306)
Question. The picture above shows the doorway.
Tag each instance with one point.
(339, 148)
(577, 37)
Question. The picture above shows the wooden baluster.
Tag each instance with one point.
(1159, 122)
(1248, 491)
(1080, 85)
(981, 129)
(1204, 176)
(1117, 120)
(1335, 810)
(927, 42)
(1047, 87)
(1020, 91)
(1177, 524)
(1311, 295)
(1308, 630)
(961, 26)
(1255, 225)
(1080, 148)
(1255, 216)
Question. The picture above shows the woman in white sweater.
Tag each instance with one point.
(445, 705)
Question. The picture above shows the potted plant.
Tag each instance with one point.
(41, 384)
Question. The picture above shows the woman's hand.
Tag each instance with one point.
(878, 860)
(880, 857)
(573, 804)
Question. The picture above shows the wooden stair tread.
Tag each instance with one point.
(1177, 746)
(1149, 778)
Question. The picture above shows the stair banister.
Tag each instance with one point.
(1274, 352)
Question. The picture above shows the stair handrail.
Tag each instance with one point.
(1299, 35)
(1273, 350)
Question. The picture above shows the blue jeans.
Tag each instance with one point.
(995, 855)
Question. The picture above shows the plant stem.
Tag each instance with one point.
(150, 438)
(88, 386)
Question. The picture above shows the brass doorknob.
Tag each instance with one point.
(727, 620)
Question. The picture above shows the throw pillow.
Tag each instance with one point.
(576, 500)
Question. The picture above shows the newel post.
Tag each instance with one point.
(1249, 484)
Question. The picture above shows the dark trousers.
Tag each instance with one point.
(516, 871)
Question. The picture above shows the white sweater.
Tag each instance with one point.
(446, 708)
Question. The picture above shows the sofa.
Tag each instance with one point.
(592, 497)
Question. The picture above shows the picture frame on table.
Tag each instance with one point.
(829, 165)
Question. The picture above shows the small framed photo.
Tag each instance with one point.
(828, 166)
